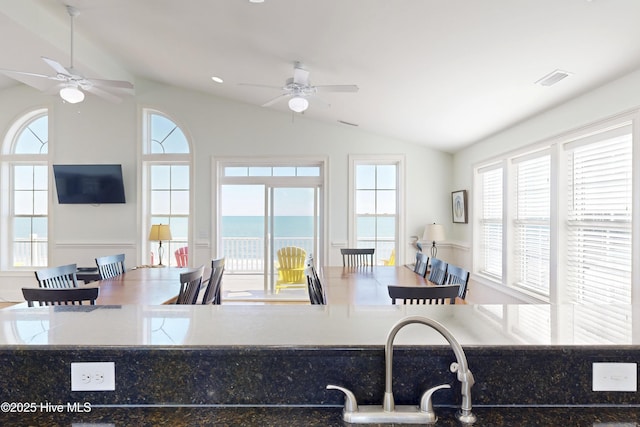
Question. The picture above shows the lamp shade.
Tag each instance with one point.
(433, 233)
(298, 104)
(160, 232)
(71, 94)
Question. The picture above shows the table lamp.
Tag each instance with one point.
(158, 233)
(433, 233)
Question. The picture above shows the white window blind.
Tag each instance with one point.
(599, 221)
(531, 224)
(491, 223)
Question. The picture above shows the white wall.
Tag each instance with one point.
(97, 131)
(606, 101)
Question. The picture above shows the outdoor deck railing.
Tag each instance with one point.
(246, 254)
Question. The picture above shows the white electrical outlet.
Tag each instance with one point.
(615, 377)
(93, 376)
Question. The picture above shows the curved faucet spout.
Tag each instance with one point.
(464, 375)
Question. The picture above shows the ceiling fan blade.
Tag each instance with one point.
(319, 102)
(300, 76)
(111, 83)
(56, 66)
(259, 85)
(274, 100)
(24, 73)
(103, 94)
(337, 88)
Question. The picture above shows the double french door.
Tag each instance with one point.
(258, 215)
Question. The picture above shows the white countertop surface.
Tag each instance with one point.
(303, 325)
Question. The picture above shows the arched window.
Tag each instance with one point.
(166, 169)
(25, 176)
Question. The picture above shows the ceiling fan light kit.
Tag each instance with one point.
(70, 82)
(298, 104)
(300, 91)
(71, 94)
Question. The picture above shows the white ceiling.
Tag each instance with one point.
(443, 73)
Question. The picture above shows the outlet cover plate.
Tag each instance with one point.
(93, 376)
(615, 377)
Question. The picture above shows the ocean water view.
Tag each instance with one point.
(253, 226)
(299, 226)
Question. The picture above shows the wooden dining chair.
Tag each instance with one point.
(458, 276)
(314, 286)
(61, 296)
(423, 294)
(110, 266)
(438, 272)
(422, 262)
(212, 294)
(357, 257)
(60, 277)
(190, 283)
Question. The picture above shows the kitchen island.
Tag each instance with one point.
(246, 363)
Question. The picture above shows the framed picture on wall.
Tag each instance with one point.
(459, 206)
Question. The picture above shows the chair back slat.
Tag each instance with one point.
(422, 262)
(423, 294)
(110, 266)
(459, 276)
(314, 286)
(61, 296)
(438, 272)
(357, 257)
(190, 283)
(60, 277)
(212, 295)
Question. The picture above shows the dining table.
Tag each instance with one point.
(142, 286)
(367, 285)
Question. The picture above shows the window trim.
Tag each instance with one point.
(558, 194)
(7, 162)
(148, 159)
(379, 159)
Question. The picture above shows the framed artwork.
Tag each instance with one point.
(459, 206)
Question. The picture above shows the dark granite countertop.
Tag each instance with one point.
(318, 416)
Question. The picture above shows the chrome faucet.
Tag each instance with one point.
(423, 413)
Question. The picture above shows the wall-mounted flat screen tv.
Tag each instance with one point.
(89, 184)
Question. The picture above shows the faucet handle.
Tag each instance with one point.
(350, 402)
(425, 402)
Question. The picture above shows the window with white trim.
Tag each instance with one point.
(590, 175)
(490, 221)
(376, 195)
(598, 223)
(531, 224)
(25, 171)
(166, 164)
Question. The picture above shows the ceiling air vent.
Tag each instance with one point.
(553, 78)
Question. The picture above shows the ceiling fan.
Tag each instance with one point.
(299, 89)
(72, 85)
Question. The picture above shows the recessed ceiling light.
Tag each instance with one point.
(217, 79)
(256, 1)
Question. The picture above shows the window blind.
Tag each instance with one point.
(491, 223)
(531, 224)
(599, 233)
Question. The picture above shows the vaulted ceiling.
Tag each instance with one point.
(443, 73)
